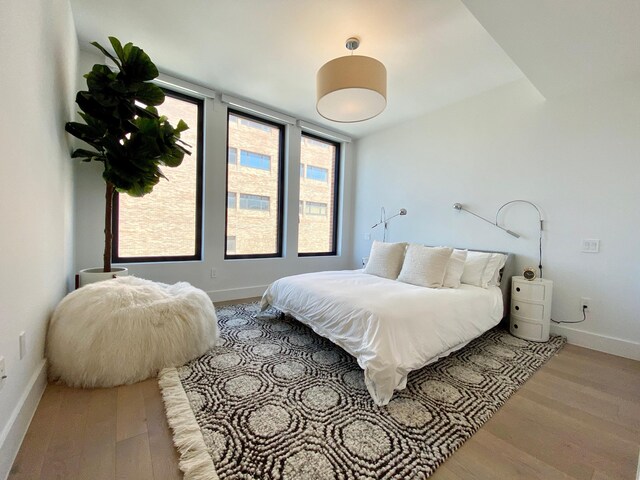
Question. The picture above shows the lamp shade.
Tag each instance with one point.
(351, 89)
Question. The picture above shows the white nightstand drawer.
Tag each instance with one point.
(527, 330)
(534, 311)
(528, 291)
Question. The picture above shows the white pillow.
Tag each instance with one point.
(385, 259)
(496, 263)
(424, 266)
(480, 267)
(455, 267)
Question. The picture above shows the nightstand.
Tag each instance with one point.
(531, 308)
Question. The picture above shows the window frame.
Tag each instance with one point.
(336, 197)
(115, 218)
(281, 188)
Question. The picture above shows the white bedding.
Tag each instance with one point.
(390, 327)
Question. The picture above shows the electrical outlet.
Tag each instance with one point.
(214, 273)
(585, 301)
(3, 372)
(22, 339)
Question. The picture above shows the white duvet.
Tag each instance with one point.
(390, 327)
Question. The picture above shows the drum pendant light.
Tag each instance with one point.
(351, 88)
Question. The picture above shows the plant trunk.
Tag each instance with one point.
(108, 235)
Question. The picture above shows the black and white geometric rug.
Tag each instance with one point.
(277, 401)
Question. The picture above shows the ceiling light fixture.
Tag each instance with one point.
(352, 88)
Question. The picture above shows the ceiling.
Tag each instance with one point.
(436, 51)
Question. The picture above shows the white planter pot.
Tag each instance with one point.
(91, 275)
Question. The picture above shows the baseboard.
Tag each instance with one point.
(236, 293)
(602, 343)
(15, 430)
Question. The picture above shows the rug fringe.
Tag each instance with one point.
(195, 461)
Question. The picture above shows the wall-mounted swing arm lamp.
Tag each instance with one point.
(384, 220)
(459, 206)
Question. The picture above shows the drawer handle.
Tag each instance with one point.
(517, 289)
(515, 325)
(517, 307)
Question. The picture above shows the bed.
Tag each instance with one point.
(390, 327)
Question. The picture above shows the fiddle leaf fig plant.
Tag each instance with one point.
(123, 128)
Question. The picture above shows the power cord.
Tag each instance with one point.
(584, 316)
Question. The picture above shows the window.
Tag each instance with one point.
(231, 199)
(318, 227)
(255, 160)
(254, 202)
(317, 173)
(232, 156)
(166, 224)
(255, 222)
(315, 208)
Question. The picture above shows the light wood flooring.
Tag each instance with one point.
(578, 417)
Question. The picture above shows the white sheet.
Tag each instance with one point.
(390, 327)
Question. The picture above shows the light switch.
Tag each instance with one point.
(590, 245)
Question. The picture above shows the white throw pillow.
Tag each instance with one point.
(385, 259)
(455, 267)
(424, 266)
(480, 268)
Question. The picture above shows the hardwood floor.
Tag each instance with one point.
(578, 417)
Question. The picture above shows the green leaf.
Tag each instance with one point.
(81, 152)
(103, 50)
(117, 47)
(182, 126)
(137, 65)
(150, 94)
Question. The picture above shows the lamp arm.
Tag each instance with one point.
(385, 220)
(523, 201)
(541, 226)
(459, 206)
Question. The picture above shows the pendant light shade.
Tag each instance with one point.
(351, 88)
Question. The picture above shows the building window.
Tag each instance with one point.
(256, 222)
(255, 160)
(231, 199)
(317, 173)
(232, 156)
(166, 224)
(315, 208)
(318, 227)
(254, 202)
(231, 244)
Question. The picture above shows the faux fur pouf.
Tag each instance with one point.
(125, 330)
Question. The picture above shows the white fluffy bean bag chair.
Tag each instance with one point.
(125, 330)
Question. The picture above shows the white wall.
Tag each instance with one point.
(577, 157)
(235, 278)
(38, 51)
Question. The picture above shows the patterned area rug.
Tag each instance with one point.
(275, 400)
